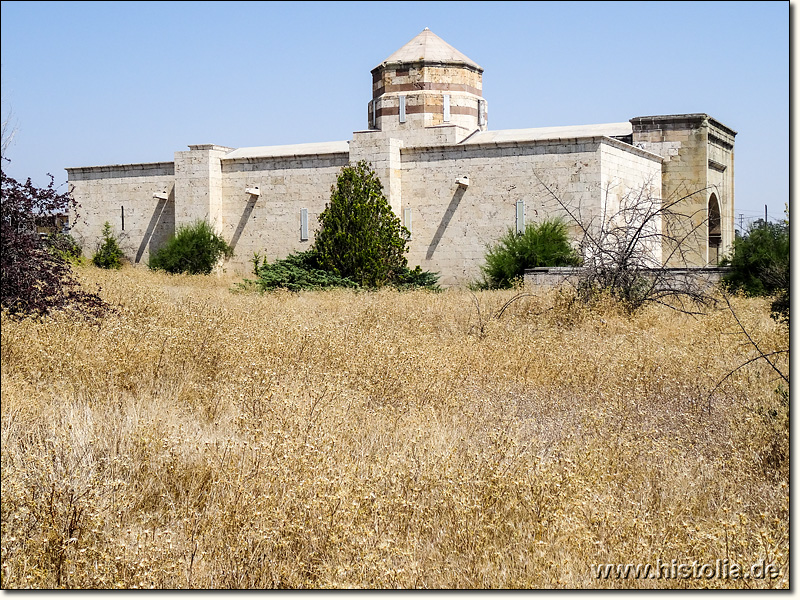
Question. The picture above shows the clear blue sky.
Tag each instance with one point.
(93, 83)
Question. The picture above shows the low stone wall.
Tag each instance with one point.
(551, 276)
(555, 276)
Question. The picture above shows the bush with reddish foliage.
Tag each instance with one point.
(34, 280)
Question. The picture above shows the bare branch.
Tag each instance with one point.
(761, 354)
(8, 132)
(747, 362)
(623, 247)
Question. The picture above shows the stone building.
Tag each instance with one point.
(454, 183)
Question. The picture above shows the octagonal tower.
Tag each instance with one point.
(427, 83)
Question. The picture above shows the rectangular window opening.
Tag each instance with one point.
(520, 216)
(303, 224)
(446, 108)
(402, 109)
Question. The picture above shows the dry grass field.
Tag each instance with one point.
(197, 438)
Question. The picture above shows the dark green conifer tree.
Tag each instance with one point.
(360, 238)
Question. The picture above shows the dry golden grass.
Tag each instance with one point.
(199, 438)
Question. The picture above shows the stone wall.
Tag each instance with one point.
(720, 180)
(698, 162)
(423, 88)
(111, 193)
(198, 185)
(453, 224)
(683, 277)
(270, 223)
(382, 152)
(630, 195)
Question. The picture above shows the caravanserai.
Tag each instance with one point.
(454, 183)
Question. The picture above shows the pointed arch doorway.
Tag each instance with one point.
(714, 231)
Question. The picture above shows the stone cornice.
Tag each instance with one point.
(602, 139)
(426, 63)
(719, 141)
(712, 164)
(132, 166)
(724, 128)
(282, 157)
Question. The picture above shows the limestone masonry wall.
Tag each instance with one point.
(198, 184)
(453, 224)
(629, 180)
(698, 162)
(720, 179)
(423, 88)
(270, 223)
(124, 192)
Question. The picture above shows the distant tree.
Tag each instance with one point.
(194, 249)
(35, 280)
(360, 238)
(543, 244)
(109, 254)
(759, 265)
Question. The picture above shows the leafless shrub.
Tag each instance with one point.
(632, 244)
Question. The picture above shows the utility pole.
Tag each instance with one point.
(765, 214)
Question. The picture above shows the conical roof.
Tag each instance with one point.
(429, 48)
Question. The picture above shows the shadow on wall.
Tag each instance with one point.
(160, 228)
(448, 215)
(248, 210)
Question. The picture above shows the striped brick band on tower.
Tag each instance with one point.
(427, 83)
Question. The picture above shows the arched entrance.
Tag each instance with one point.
(714, 230)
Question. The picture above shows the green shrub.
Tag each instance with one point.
(759, 265)
(302, 271)
(360, 244)
(544, 244)
(416, 278)
(298, 271)
(194, 249)
(64, 246)
(108, 255)
(360, 238)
